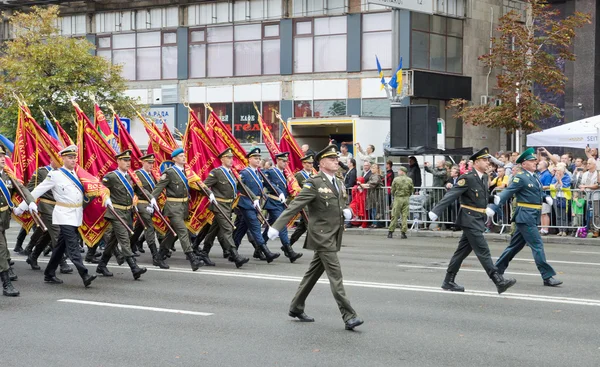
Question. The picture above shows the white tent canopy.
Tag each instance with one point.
(576, 134)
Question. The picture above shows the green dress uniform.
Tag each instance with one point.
(472, 191)
(174, 181)
(223, 185)
(7, 188)
(528, 190)
(301, 177)
(402, 188)
(325, 202)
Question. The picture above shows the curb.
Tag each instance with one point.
(488, 236)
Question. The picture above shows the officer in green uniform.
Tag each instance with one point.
(122, 193)
(325, 197)
(148, 181)
(7, 188)
(40, 239)
(530, 194)
(175, 181)
(224, 192)
(472, 191)
(301, 177)
(402, 188)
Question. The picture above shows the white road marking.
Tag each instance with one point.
(462, 269)
(134, 307)
(586, 252)
(375, 285)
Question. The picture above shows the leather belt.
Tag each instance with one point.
(47, 201)
(273, 197)
(478, 210)
(178, 200)
(530, 206)
(143, 202)
(4, 208)
(122, 207)
(221, 200)
(67, 205)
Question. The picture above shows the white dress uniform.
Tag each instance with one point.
(69, 198)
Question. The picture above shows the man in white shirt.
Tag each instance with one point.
(68, 215)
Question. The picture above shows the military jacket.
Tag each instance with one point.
(254, 185)
(471, 191)
(148, 183)
(279, 182)
(527, 188)
(120, 195)
(38, 177)
(176, 188)
(224, 188)
(325, 204)
(302, 176)
(5, 211)
(402, 186)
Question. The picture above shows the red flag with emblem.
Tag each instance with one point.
(223, 139)
(287, 143)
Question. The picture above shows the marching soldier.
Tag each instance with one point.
(224, 191)
(175, 181)
(121, 201)
(276, 199)
(249, 205)
(68, 192)
(402, 188)
(146, 177)
(7, 187)
(529, 192)
(45, 208)
(325, 197)
(301, 177)
(472, 190)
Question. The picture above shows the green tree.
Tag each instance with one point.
(46, 68)
(527, 54)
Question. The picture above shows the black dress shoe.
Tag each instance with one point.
(353, 322)
(52, 279)
(301, 316)
(88, 279)
(551, 282)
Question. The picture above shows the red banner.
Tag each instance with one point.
(65, 139)
(169, 138)
(287, 143)
(222, 139)
(105, 128)
(126, 142)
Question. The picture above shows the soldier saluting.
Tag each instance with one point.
(472, 191)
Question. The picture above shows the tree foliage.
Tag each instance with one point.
(527, 54)
(46, 68)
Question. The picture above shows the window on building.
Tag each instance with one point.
(376, 40)
(332, 107)
(144, 55)
(251, 10)
(246, 128)
(269, 114)
(224, 111)
(436, 43)
(320, 45)
(72, 25)
(303, 109)
(239, 11)
(156, 18)
(453, 8)
(241, 50)
(367, 6)
(376, 107)
(313, 8)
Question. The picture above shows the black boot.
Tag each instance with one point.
(134, 249)
(20, 239)
(270, 256)
(403, 236)
(64, 267)
(153, 250)
(140, 246)
(135, 269)
(90, 255)
(119, 256)
(194, 261)
(290, 254)
(159, 259)
(390, 234)
(258, 254)
(102, 269)
(87, 279)
(29, 249)
(11, 274)
(237, 259)
(449, 284)
(203, 255)
(47, 250)
(32, 261)
(502, 284)
(7, 287)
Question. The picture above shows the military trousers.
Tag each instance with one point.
(399, 211)
(472, 240)
(251, 225)
(300, 230)
(4, 254)
(116, 233)
(68, 241)
(223, 228)
(177, 222)
(149, 232)
(273, 215)
(328, 262)
(526, 235)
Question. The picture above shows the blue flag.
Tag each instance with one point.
(7, 143)
(50, 128)
(380, 72)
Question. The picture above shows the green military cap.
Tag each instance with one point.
(148, 158)
(2, 150)
(284, 156)
(330, 151)
(308, 158)
(527, 155)
(482, 154)
(126, 154)
(226, 153)
(254, 152)
(71, 150)
(403, 169)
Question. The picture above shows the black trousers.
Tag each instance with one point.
(472, 240)
(300, 230)
(68, 241)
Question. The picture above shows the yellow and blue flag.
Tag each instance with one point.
(396, 81)
(50, 129)
(380, 73)
(7, 143)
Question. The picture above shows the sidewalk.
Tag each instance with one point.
(489, 236)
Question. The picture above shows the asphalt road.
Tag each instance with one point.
(238, 317)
